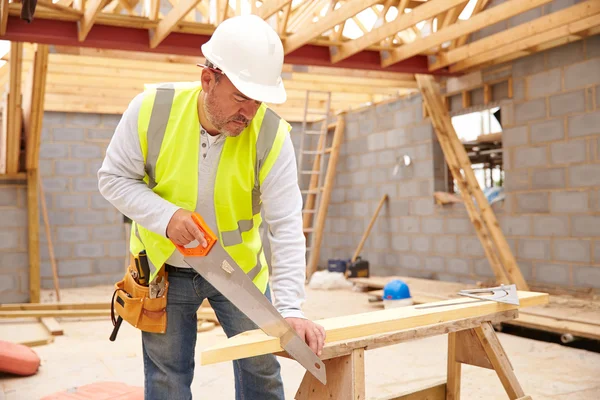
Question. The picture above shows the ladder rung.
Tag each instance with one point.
(315, 191)
(313, 151)
(308, 230)
(313, 132)
(310, 172)
(328, 150)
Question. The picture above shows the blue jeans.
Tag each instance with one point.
(169, 357)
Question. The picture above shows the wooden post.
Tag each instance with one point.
(14, 113)
(33, 235)
(368, 230)
(49, 238)
(454, 369)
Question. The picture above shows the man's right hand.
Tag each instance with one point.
(182, 230)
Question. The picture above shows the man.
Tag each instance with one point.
(215, 148)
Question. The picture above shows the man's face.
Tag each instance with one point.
(225, 106)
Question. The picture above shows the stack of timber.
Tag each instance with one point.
(564, 315)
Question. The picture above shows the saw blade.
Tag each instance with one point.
(221, 271)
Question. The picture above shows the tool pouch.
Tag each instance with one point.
(132, 302)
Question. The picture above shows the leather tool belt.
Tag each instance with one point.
(142, 305)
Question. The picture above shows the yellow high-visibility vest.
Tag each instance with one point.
(169, 129)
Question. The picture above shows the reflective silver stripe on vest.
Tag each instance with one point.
(157, 127)
(256, 269)
(264, 144)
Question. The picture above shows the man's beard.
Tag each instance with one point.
(216, 117)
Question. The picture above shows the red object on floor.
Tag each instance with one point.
(100, 391)
(18, 359)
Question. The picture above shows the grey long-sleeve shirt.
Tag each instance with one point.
(120, 182)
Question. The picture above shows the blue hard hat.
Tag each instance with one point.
(396, 290)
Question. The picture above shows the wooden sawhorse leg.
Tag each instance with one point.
(345, 379)
(479, 347)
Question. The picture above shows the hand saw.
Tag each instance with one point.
(215, 265)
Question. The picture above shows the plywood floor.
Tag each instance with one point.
(84, 355)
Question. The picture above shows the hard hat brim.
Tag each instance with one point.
(263, 93)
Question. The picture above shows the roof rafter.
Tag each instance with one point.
(166, 25)
(270, 7)
(92, 9)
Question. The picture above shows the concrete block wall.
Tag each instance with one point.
(551, 216)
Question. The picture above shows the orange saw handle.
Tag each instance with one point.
(209, 236)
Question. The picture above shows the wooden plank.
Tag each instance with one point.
(497, 356)
(270, 7)
(348, 327)
(3, 16)
(489, 17)
(33, 235)
(554, 325)
(402, 22)
(454, 369)
(53, 326)
(14, 117)
(33, 106)
(470, 351)
(433, 392)
(369, 227)
(528, 42)
(311, 31)
(479, 6)
(92, 9)
(446, 133)
(49, 238)
(166, 25)
(27, 333)
(60, 7)
(516, 33)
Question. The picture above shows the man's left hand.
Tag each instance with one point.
(313, 334)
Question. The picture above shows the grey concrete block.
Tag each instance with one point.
(356, 225)
(422, 206)
(526, 157)
(551, 225)
(483, 268)
(71, 201)
(530, 111)
(46, 168)
(408, 225)
(9, 240)
(432, 225)
(578, 250)
(557, 5)
(108, 265)
(516, 226)
(525, 17)
(399, 208)
(70, 167)
(567, 103)
(366, 124)
(548, 178)
(14, 260)
(470, 245)
(69, 234)
(518, 89)
(574, 151)
(74, 267)
(445, 244)
(367, 160)
(409, 189)
(386, 158)
(54, 118)
(352, 162)
(85, 184)
(387, 188)
(410, 261)
(13, 219)
(360, 177)
(532, 202)
(404, 117)
(544, 83)
(376, 141)
(396, 137)
(459, 226)
(117, 249)
(91, 250)
(385, 122)
(584, 175)
(340, 225)
(565, 55)
(64, 134)
(111, 120)
(423, 169)
(458, 266)
(361, 209)
(86, 151)
(343, 179)
(421, 244)
(56, 184)
(516, 180)
(9, 196)
(420, 133)
(435, 264)
(337, 195)
(99, 202)
(529, 65)
(582, 74)
(585, 225)
(401, 243)
(547, 131)
(59, 217)
(8, 283)
(517, 136)
(592, 46)
(587, 276)
(85, 119)
(585, 124)
(53, 150)
(60, 251)
(597, 90)
(552, 273)
(569, 202)
(380, 241)
(352, 130)
(536, 249)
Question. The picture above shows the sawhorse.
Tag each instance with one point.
(471, 341)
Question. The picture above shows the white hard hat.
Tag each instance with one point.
(250, 53)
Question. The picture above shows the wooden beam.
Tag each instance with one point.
(283, 21)
(167, 24)
(529, 42)
(92, 9)
(270, 7)
(33, 236)
(3, 16)
(402, 22)
(476, 10)
(512, 35)
(13, 140)
(434, 392)
(311, 31)
(33, 105)
(475, 23)
(60, 7)
(256, 342)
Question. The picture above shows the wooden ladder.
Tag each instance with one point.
(321, 180)
(482, 216)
